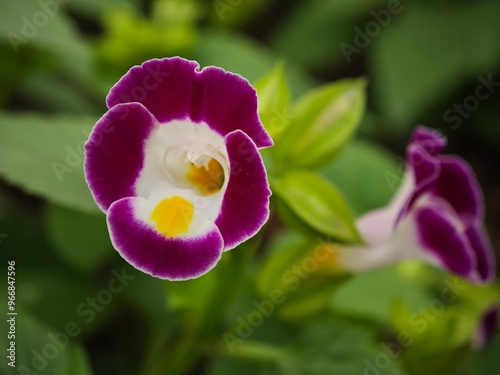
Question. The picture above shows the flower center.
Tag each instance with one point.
(208, 178)
(173, 216)
(195, 166)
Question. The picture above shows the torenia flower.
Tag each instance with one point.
(174, 164)
(436, 216)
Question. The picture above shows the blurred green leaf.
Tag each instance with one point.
(331, 347)
(235, 13)
(57, 297)
(324, 347)
(367, 175)
(131, 38)
(242, 55)
(44, 351)
(80, 239)
(301, 37)
(44, 156)
(229, 365)
(274, 99)
(272, 274)
(94, 8)
(437, 337)
(486, 361)
(200, 301)
(411, 77)
(27, 22)
(323, 121)
(318, 203)
(49, 92)
(371, 295)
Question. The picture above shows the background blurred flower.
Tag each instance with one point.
(435, 216)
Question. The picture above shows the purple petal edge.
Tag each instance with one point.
(438, 235)
(114, 152)
(457, 184)
(430, 140)
(480, 243)
(245, 206)
(488, 326)
(175, 89)
(152, 253)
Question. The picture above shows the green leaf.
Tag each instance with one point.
(56, 296)
(41, 350)
(333, 347)
(26, 22)
(234, 13)
(244, 56)
(367, 175)
(55, 94)
(230, 365)
(371, 295)
(270, 276)
(131, 38)
(200, 300)
(274, 99)
(411, 77)
(301, 37)
(487, 361)
(318, 203)
(323, 121)
(44, 156)
(80, 239)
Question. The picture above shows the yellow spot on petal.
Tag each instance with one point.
(172, 216)
(208, 179)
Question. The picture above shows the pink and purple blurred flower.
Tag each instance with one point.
(436, 216)
(180, 177)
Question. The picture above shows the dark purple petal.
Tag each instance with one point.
(457, 184)
(438, 234)
(424, 169)
(488, 326)
(157, 255)
(174, 88)
(245, 206)
(114, 153)
(430, 140)
(481, 245)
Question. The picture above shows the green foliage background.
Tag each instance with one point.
(387, 65)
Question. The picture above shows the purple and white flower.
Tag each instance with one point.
(179, 177)
(436, 216)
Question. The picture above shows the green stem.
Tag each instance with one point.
(187, 351)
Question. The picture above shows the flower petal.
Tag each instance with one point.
(245, 206)
(458, 185)
(440, 235)
(424, 170)
(114, 153)
(487, 327)
(425, 167)
(481, 245)
(175, 89)
(430, 140)
(157, 255)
